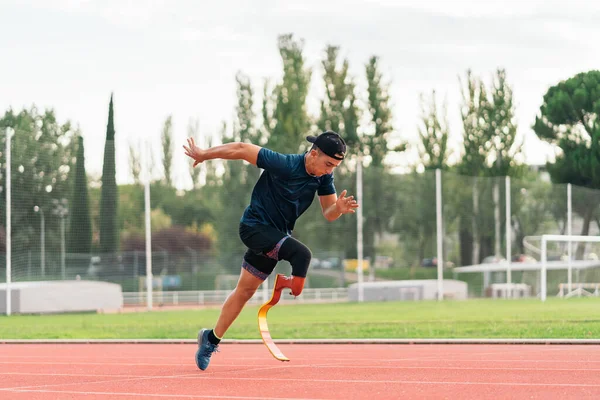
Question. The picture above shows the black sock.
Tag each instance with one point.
(212, 337)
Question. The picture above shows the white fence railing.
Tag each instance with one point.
(211, 297)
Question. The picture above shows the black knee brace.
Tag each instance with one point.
(297, 254)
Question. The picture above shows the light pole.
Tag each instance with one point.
(61, 209)
(43, 239)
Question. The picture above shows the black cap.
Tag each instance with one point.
(330, 143)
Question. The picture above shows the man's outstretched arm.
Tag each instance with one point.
(333, 206)
(228, 151)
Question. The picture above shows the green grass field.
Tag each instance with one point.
(556, 318)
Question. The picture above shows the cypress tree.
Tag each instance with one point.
(80, 232)
(109, 238)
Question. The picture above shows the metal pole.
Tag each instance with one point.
(62, 247)
(440, 239)
(543, 277)
(148, 232)
(42, 239)
(8, 225)
(359, 229)
(569, 232)
(43, 250)
(508, 237)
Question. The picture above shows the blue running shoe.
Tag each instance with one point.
(205, 350)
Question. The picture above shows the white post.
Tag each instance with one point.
(42, 239)
(43, 249)
(440, 239)
(569, 245)
(508, 237)
(359, 229)
(62, 248)
(543, 277)
(8, 226)
(148, 231)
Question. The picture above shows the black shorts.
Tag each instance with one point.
(263, 243)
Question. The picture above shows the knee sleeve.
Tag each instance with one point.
(296, 254)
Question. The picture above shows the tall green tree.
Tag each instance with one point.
(339, 110)
(135, 162)
(80, 232)
(569, 119)
(284, 110)
(477, 143)
(419, 231)
(379, 191)
(490, 149)
(381, 114)
(167, 149)
(433, 134)
(239, 177)
(503, 129)
(340, 113)
(477, 140)
(109, 232)
(42, 154)
(193, 131)
(210, 167)
(505, 148)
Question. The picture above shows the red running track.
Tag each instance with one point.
(338, 371)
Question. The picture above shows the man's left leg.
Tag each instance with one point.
(245, 289)
(255, 269)
(299, 256)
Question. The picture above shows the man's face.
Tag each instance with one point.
(323, 163)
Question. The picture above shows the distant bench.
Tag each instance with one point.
(578, 289)
(508, 290)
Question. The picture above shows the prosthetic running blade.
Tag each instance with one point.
(280, 284)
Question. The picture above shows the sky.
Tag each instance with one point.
(180, 58)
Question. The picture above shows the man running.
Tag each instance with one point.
(284, 191)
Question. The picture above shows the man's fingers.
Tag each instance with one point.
(343, 193)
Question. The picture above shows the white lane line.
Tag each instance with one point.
(183, 364)
(184, 376)
(344, 381)
(170, 396)
(317, 366)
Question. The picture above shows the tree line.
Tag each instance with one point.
(48, 164)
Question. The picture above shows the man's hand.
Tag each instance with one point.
(195, 152)
(345, 205)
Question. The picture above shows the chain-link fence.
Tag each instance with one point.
(65, 227)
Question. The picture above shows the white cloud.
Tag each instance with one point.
(181, 57)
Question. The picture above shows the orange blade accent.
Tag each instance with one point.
(262, 320)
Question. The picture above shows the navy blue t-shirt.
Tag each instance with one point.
(284, 191)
